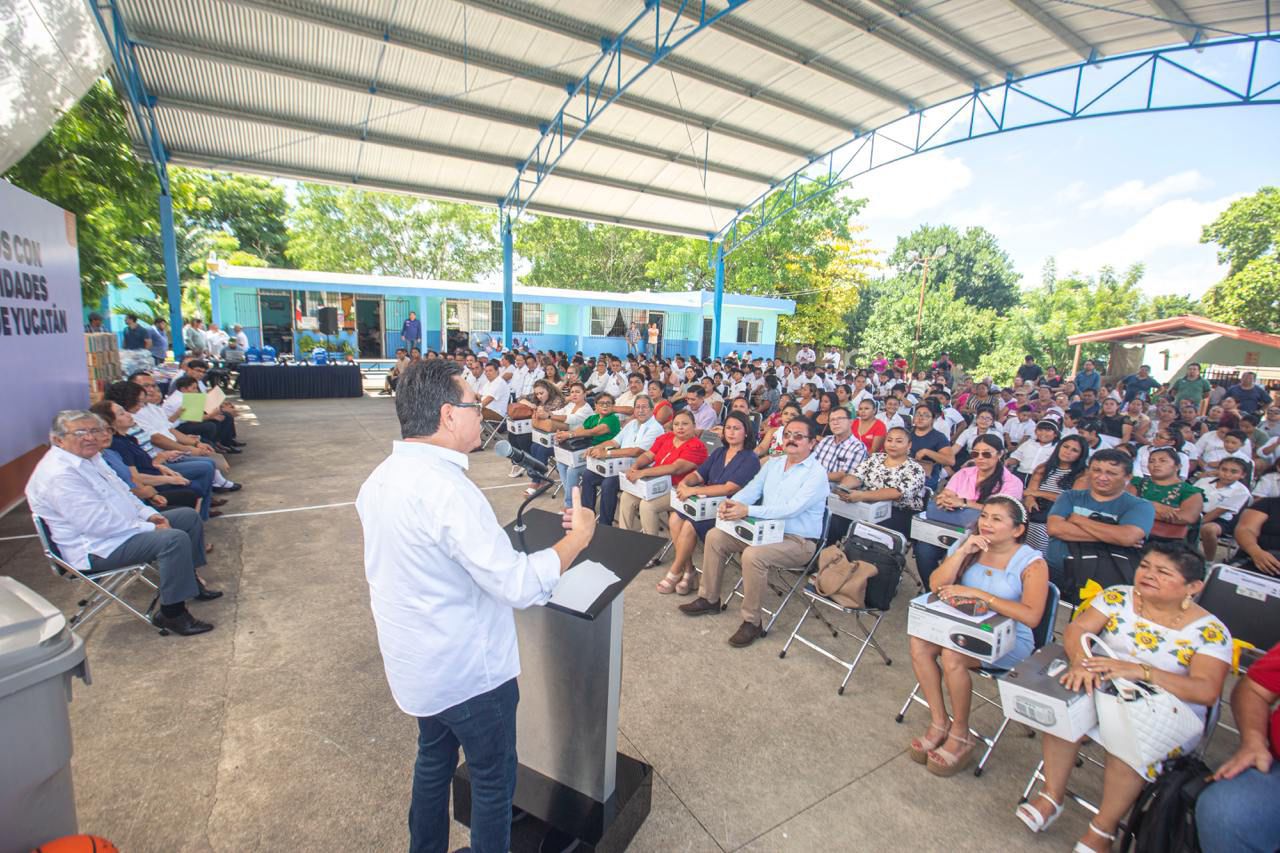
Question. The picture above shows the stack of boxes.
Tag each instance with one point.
(103, 356)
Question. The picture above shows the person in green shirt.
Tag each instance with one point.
(1192, 387)
(1177, 503)
(604, 424)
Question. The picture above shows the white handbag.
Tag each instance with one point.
(1139, 723)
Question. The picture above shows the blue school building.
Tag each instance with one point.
(290, 310)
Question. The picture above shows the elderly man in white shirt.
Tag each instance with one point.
(98, 525)
(636, 436)
(443, 579)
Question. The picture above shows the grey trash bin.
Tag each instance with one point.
(38, 657)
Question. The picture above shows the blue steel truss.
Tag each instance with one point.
(1231, 72)
(654, 33)
(142, 105)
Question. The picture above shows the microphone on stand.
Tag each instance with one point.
(519, 457)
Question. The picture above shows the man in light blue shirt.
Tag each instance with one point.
(635, 437)
(792, 487)
(1088, 379)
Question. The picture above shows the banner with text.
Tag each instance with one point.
(41, 332)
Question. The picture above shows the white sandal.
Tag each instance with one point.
(1034, 818)
(1081, 847)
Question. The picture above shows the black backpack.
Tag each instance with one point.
(1108, 565)
(889, 564)
(1163, 820)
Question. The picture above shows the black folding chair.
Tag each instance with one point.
(788, 587)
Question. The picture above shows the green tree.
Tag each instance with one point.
(359, 231)
(1171, 305)
(86, 165)
(581, 255)
(1248, 235)
(974, 264)
(251, 209)
(951, 325)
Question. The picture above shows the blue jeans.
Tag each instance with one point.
(485, 727)
(570, 476)
(1239, 815)
(200, 473)
(608, 488)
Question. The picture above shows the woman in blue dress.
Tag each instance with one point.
(994, 566)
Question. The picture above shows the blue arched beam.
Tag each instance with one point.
(1235, 72)
(129, 75)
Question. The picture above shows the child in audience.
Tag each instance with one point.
(1224, 497)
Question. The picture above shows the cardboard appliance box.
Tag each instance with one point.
(987, 638)
(1031, 694)
(753, 531)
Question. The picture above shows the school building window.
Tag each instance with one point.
(748, 331)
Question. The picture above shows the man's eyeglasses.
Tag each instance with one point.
(85, 433)
(795, 436)
(467, 405)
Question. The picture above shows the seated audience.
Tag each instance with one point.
(929, 445)
(1225, 495)
(1030, 455)
(674, 454)
(729, 467)
(991, 565)
(704, 416)
(1177, 503)
(793, 488)
(183, 453)
(1162, 637)
(891, 475)
(841, 451)
(663, 411)
(970, 488)
(136, 467)
(97, 525)
(565, 420)
(494, 393)
(1101, 513)
(635, 438)
(1237, 813)
(393, 375)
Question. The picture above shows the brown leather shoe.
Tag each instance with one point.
(747, 633)
(218, 502)
(700, 607)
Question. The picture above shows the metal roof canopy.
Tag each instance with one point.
(668, 115)
(447, 98)
(1172, 329)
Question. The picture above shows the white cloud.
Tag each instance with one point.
(1140, 195)
(1166, 240)
(911, 187)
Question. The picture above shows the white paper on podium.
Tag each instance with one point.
(581, 586)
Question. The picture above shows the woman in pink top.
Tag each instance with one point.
(970, 488)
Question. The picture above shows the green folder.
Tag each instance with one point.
(193, 406)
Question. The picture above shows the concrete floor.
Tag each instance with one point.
(276, 731)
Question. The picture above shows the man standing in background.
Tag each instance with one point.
(411, 332)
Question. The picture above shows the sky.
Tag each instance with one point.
(1090, 193)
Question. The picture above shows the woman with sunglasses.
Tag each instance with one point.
(993, 566)
(1067, 463)
(970, 488)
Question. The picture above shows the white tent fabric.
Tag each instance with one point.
(53, 51)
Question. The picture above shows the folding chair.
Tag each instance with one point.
(862, 636)
(490, 429)
(108, 586)
(785, 591)
(1248, 604)
(1042, 635)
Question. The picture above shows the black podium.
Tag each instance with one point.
(573, 787)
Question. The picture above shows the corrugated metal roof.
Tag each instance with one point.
(445, 97)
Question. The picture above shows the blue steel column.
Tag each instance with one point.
(717, 307)
(173, 286)
(507, 284)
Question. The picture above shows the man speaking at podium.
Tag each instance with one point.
(443, 579)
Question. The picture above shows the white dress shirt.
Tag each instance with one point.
(641, 435)
(615, 384)
(88, 509)
(242, 339)
(443, 579)
(153, 419)
(499, 390)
